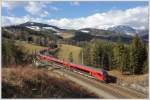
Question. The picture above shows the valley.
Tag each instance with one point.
(117, 33)
(74, 49)
(111, 50)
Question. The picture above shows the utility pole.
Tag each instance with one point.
(82, 57)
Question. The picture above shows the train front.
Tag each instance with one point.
(105, 76)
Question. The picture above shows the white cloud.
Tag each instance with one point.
(44, 14)
(75, 3)
(54, 8)
(135, 17)
(9, 5)
(6, 21)
(37, 9)
(6, 5)
(12, 4)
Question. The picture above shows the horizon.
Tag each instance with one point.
(77, 15)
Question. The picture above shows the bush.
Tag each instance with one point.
(13, 54)
(38, 83)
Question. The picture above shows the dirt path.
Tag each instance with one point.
(100, 89)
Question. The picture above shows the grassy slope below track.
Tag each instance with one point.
(31, 48)
(65, 51)
(29, 82)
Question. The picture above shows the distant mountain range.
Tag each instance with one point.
(126, 30)
(39, 26)
(122, 32)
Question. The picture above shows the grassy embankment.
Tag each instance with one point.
(29, 82)
(65, 51)
(30, 48)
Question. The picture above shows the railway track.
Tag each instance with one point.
(104, 90)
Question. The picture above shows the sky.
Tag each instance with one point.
(77, 15)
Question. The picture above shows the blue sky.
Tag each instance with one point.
(67, 10)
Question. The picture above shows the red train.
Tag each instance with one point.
(99, 74)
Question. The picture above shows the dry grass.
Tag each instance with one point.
(67, 35)
(129, 78)
(30, 82)
(31, 48)
(65, 50)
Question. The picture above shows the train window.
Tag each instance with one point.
(105, 73)
(82, 71)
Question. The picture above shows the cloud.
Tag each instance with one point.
(9, 5)
(6, 20)
(12, 4)
(75, 3)
(54, 8)
(6, 5)
(33, 8)
(37, 9)
(134, 17)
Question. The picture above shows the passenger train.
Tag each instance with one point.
(99, 74)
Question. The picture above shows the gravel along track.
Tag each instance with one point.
(103, 90)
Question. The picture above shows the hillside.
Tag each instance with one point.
(121, 33)
(29, 82)
(66, 35)
(96, 32)
(82, 36)
(31, 48)
(24, 33)
(65, 51)
(137, 82)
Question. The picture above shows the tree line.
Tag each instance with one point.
(129, 58)
(13, 54)
(42, 38)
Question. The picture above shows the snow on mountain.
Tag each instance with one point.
(51, 28)
(36, 28)
(39, 26)
(142, 32)
(85, 31)
(127, 30)
(123, 30)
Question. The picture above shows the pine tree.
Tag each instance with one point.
(12, 54)
(120, 58)
(7, 53)
(98, 54)
(95, 55)
(87, 54)
(70, 57)
(137, 56)
(125, 60)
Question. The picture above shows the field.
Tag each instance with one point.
(65, 51)
(66, 35)
(137, 82)
(31, 48)
(30, 82)
(129, 78)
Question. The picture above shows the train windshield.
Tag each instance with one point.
(105, 73)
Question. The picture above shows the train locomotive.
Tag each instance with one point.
(99, 74)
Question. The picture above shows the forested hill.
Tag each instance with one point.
(102, 48)
(29, 29)
(129, 58)
(81, 36)
(42, 37)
